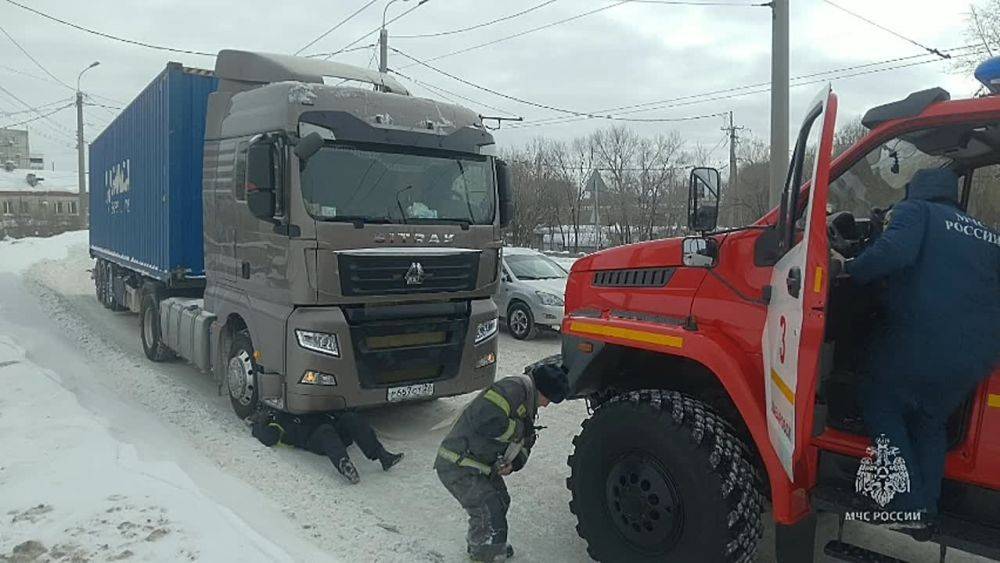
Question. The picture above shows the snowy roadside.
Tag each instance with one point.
(102, 481)
(72, 491)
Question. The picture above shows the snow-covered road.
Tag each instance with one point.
(95, 440)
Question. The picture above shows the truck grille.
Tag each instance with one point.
(646, 277)
(404, 344)
(393, 275)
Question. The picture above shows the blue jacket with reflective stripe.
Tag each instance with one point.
(941, 272)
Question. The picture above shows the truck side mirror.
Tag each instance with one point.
(260, 180)
(704, 189)
(505, 193)
(308, 146)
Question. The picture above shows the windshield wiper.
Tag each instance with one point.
(399, 204)
(359, 220)
(464, 223)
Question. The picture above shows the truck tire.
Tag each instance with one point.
(520, 322)
(241, 376)
(149, 329)
(685, 491)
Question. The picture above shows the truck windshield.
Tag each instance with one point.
(348, 183)
(879, 179)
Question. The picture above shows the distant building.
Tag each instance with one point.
(14, 148)
(38, 203)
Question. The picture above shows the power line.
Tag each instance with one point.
(760, 87)
(334, 28)
(108, 35)
(546, 106)
(695, 3)
(526, 32)
(105, 106)
(56, 126)
(566, 20)
(345, 48)
(478, 25)
(37, 117)
(438, 90)
(36, 108)
(33, 59)
(930, 50)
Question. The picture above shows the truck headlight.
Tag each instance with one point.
(316, 378)
(486, 329)
(322, 342)
(550, 299)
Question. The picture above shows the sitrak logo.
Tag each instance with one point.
(882, 474)
(415, 275)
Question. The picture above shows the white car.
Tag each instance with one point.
(532, 287)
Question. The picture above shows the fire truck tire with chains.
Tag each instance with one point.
(687, 491)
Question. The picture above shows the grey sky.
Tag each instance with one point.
(630, 54)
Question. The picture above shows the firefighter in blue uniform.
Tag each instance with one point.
(941, 332)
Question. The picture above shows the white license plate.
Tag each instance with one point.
(409, 392)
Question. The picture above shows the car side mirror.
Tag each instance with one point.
(260, 180)
(700, 252)
(704, 190)
(505, 193)
(308, 146)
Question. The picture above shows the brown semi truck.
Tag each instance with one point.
(313, 244)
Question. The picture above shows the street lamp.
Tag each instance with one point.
(383, 37)
(81, 173)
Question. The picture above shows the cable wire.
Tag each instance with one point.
(36, 108)
(478, 25)
(345, 48)
(930, 50)
(748, 89)
(438, 90)
(546, 106)
(37, 117)
(108, 35)
(33, 59)
(56, 126)
(334, 28)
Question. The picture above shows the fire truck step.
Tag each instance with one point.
(856, 554)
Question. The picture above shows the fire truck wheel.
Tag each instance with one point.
(149, 329)
(241, 376)
(684, 492)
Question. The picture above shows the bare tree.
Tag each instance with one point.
(983, 28)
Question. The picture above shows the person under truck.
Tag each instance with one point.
(326, 434)
(491, 439)
(941, 332)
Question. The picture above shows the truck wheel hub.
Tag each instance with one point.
(643, 502)
(240, 378)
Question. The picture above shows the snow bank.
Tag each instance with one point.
(72, 491)
(17, 255)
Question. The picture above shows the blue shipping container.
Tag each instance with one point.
(145, 178)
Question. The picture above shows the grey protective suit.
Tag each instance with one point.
(495, 429)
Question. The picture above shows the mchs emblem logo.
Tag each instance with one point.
(882, 474)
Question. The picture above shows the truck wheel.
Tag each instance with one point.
(520, 322)
(149, 329)
(684, 492)
(241, 375)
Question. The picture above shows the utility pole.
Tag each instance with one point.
(383, 50)
(81, 172)
(733, 132)
(779, 99)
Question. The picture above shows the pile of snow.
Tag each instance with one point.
(20, 254)
(23, 179)
(74, 492)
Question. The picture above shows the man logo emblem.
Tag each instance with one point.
(882, 474)
(415, 275)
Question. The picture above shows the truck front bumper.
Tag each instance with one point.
(364, 374)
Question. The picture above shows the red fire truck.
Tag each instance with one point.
(721, 369)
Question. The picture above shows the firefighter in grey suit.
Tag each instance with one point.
(491, 439)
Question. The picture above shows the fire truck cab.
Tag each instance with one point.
(721, 370)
